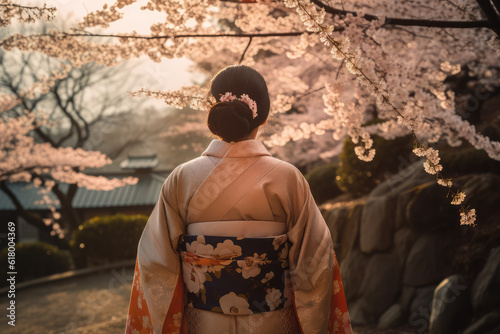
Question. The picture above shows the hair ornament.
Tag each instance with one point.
(228, 96)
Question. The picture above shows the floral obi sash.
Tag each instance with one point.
(234, 275)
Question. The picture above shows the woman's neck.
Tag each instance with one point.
(251, 135)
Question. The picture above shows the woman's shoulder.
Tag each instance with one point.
(288, 175)
(195, 166)
(286, 168)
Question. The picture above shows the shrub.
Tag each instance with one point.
(36, 259)
(360, 177)
(466, 159)
(107, 239)
(321, 179)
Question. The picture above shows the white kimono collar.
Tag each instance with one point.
(241, 149)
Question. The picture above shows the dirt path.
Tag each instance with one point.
(95, 303)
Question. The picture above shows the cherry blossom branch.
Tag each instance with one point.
(241, 35)
(7, 42)
(193, 96)
(313, 20)
(404, 21)
(369, 17)
(28, 14)
(408, 22)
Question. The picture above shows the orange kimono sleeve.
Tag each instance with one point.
(157, 296)
(339, 321)
(139, 318)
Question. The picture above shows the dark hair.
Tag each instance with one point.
(232, 120)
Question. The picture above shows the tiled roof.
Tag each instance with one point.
(145, 192)
(140, 162)
(28, 196)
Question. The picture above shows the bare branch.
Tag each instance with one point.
(244, 35)
(245, 51)
(490, 13)
(497, 5)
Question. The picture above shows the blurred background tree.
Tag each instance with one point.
(69, 108)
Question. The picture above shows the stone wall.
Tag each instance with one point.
(396, 248)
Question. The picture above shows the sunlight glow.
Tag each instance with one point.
(169, 74)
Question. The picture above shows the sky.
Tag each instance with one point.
(169, 74)
(140, 19)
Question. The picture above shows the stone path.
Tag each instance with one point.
(94, 303)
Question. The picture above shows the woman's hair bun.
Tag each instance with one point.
(230, 120)
(234, 120)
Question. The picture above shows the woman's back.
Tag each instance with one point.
(277, 196)
(236, 243)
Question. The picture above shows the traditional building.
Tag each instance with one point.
(139, 198)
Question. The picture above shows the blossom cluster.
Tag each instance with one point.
(281, 104)
(104, 17)
(64, 46)
(309, 14)
(101, 18)
(468, 217)
(26, 14)
(458, 198)
(431, 164)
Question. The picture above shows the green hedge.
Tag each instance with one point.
(360, 177)
(466, 159)
(36, 259)
(321, 179)
(107, 239)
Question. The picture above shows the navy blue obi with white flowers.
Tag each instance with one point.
(232, 275)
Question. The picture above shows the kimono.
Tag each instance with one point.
(236, 244)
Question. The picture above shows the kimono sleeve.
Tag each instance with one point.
(156, 302)
(318, 294)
